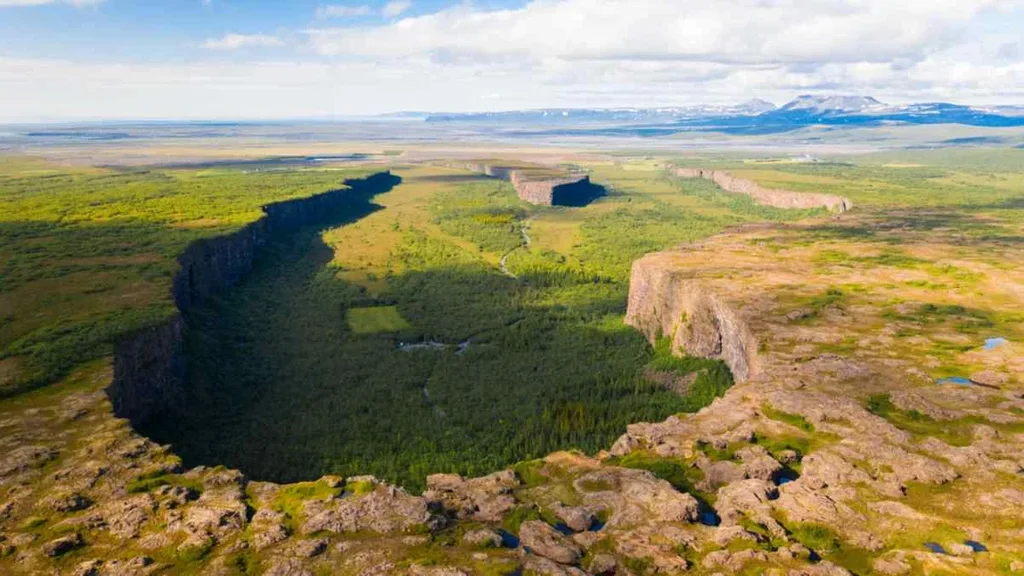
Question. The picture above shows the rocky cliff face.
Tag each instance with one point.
(569, 190)
(149, 366)
(665, 301)
(787, 199)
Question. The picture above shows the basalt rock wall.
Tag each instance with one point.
(665, 302)
(553, 192)
(572, 190)
(776, 198)
(149, 364)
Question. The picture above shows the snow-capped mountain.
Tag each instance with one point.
(833, 104)
(598, 115)
(752, 117)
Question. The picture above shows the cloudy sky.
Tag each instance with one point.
(210, 59)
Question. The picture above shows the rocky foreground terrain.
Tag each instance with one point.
(837, 451)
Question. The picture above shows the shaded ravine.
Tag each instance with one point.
(149, 364)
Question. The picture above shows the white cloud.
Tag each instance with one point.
(339, 11)
(233, 41)
(76, 3)
(567, 53)
(734, 31)
(395, 8)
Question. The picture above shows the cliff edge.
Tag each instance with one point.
(541, 185)
(149, 364)
(776, 198)
(667, 301)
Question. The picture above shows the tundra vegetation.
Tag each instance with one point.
(396, 346)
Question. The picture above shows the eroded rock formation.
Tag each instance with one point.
(666, 301)
(776, 198)
(149, 367)
(541, 186)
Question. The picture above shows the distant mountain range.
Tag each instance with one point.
(753, 117)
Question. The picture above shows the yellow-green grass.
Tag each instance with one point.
(363, 249)
(376, 319)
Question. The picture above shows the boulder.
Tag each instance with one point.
(483, 538)
(63, 545)
(543, 540)
(384, 510)
(485, 499)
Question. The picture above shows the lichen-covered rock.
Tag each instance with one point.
(575, 518)
(541, 539)
(482, 537)
(63, 545)
(384, 510)
(486, 499)
(635, 497)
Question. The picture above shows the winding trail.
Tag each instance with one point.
(525, 244)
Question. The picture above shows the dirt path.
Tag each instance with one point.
(525, 244)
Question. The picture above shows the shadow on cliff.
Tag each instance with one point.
(577, 195)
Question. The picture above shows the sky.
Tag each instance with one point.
(265, 59)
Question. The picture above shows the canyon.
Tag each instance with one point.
(835, 453)
(149, 367)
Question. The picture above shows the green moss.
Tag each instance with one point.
(33, 522)
(529, 472)
(856, 560)
(195, 552)
(821, 539)
(777, 445)
(514, 519)
(638, 566)
(591, 485)
(354, 487)
(795, 420)
(830, 298)
(676, 472)
(245, 563)
(292, 498)
(954, 432)
(152, 480)
(720, 454)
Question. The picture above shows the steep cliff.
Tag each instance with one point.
(542, 186)
(149, 366)
(665, 301)
(768, 196)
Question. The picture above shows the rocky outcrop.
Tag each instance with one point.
(149, 365)
(539, 186)
(776, 198)
(665, 301)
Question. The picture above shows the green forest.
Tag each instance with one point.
(464, 369)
